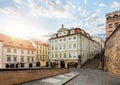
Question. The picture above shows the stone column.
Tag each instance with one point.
(58, 63)
(66, 66)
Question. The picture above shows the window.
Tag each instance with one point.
(69, 55)
(52, 48)
(32, 52)
(60, 55)
(110, 25)
(69, 38)
(8, 59)
(55, 47)
(28, 51)
(69, 46)
(74, 45)
(60, 33)
(52, 56)
(32, 58)
(109, 18)
(115, 17)
(8, 50)
(22, 51)
(64, 32)
(64, 39)
(116, 24)
(37, 51)
(14, 58)
(74, 56)
(60, 40)
(55, 40)
(28, 58)
(15, 51)
(60, 47)
(22, 58)
(64, 46)
(52, 41)
(74, 37)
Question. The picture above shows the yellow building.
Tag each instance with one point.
(42, 52)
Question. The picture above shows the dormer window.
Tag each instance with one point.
(21, 44)
(72, 32)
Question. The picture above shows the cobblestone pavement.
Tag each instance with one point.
(90, 75)
(55, 80)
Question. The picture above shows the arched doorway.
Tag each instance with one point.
(11, 65)
(30, 65)
(72, 64)
(54, 64)
(47, 64)
(22, 64)
(62, 64)
(7, 66)
(16, 65)
(37, 64)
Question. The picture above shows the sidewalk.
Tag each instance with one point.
(55, 80)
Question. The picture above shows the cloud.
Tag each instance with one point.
(85, 2)
(17, 1)
(115, 4)
(9, 11)
(48, 35)
(52, 9)
(75, 24)
(84, 13)
(102, 5)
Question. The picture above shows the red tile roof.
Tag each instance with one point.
(15, 42)
(41, 43)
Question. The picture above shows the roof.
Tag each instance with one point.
(118, 27)
(114, 12)
(15, 42)
(77, 31)
(41, 43)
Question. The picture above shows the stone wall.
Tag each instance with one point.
(12, 77)
(112, 52)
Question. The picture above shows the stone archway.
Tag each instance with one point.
(11, 65)
(7, 66)
(37, 64)
(22, 64)
(30, 65)
(16, 65)
(62, 64)
(72, 64)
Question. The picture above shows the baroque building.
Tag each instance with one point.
(67, 44)
(112, 21)
(42, 52)
(16, 53)
(112, 52)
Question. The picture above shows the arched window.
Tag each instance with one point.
(109, 18)
(115, 17)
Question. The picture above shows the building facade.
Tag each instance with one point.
(67, 44)
(112, 21)
(112, 52)
(42, 52)
(16, 53)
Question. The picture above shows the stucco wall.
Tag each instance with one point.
(20, 76)
(112, 53)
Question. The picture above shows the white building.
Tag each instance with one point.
(68, 44)
(16, 53)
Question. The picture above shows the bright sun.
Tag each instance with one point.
(19, 29)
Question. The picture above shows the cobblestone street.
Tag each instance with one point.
(90, 75)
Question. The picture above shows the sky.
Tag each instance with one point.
(41, 18)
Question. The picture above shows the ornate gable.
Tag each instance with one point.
(62, 29)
